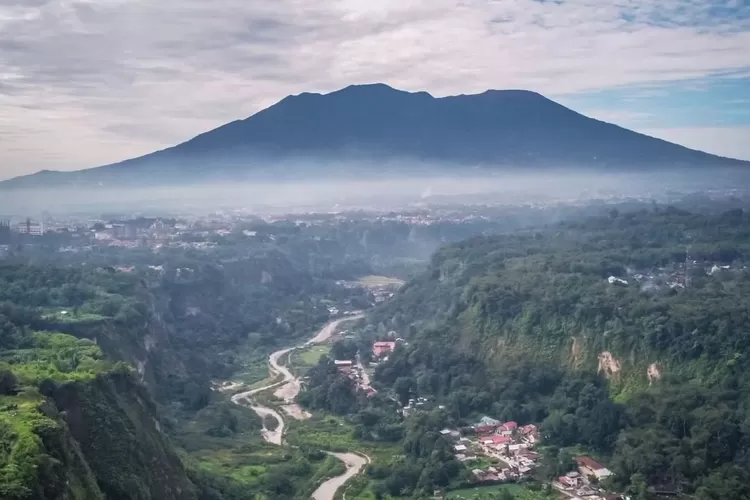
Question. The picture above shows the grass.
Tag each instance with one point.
(311, 355)
(304, 359)
(373, 280)
(251, 465)
(72, 316)
(484, 462)
(322, 431)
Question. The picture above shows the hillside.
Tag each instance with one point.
(648, 369)
(374, 129)
(499, 295)
(74, 426)
(105, 375)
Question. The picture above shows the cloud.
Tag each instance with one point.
(86, 82)
(724, 141)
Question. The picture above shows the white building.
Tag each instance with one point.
(30, 227)
(615, 280)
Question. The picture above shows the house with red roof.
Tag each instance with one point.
(530, 433)
(497, 439)
(589, 467)
(382, 348)
(507, 428)
(484, 429)
(528, 429)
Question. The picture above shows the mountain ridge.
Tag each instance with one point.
(378, 124)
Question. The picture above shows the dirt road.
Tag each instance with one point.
(288, 389)
(354, 464)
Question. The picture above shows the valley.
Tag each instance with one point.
(371, 358)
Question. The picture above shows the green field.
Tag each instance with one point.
(73, 317)
(254, 466)
(379, 281)
(303, 359)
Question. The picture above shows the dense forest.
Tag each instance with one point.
(625, 334)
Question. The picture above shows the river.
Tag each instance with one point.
(289, 386)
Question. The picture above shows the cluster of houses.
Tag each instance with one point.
(356, 373)
(335, 312)
(380, 293)
(505, 452)
(507, 445)
(675, 276)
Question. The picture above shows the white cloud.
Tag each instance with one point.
(85, 83)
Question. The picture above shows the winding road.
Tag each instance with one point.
(354, 464)
(289, 387)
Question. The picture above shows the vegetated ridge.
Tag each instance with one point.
(623, 334)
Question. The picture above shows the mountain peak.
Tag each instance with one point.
(373, 124)
(369, 87)
(369, 91)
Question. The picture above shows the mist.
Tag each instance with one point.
(329, 193)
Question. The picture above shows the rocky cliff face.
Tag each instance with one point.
(96, 438)
(113, 422)
(63, 473)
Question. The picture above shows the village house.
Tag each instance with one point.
(507, 429)
(483, 430)
(380, 349)
(344, 366)
(528, 429)
(488, 421)
(571, 480)
(496, 442)
(591, 468)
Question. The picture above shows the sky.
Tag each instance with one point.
(90, 82)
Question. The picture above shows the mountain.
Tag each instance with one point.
(375, 124)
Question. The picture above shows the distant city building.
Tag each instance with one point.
(4, 232)
(124, 231)
(30, 227)
(105, 235)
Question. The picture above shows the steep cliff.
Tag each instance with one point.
(73, 424)
(546, 296)
(87, 440)
(115, 423)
